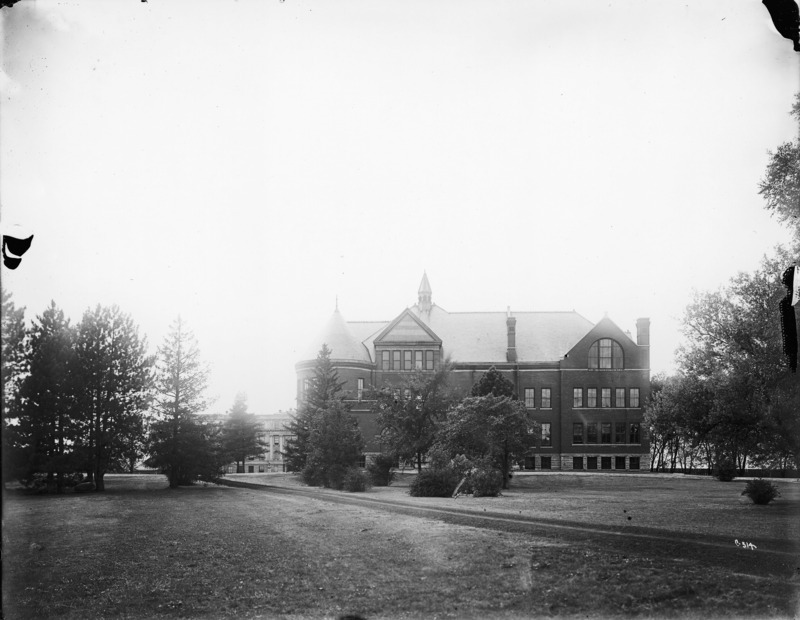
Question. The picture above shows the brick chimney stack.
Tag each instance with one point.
(511, 329)
(643, 338)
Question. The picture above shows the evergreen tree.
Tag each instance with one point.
(324, 387)
(46, 430)
(179, 443)
(241, 433)
(115, 375)
(334, 445)
(493, 383)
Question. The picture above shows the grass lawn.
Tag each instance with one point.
(141, 550)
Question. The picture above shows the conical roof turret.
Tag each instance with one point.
(340, 340)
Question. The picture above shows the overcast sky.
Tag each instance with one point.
(242, 163)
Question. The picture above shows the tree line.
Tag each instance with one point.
(735, 401)
(81, 400)
(417, 420)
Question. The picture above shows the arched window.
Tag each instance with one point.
(605, 353)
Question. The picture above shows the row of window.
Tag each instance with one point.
(406, 360)
(544, 398)
(634, 462)
(605, 399)
(621, 431)
(592, 400)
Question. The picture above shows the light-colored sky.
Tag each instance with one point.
(242, 163)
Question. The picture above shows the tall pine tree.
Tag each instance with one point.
(46, 428)
(241, 433)
(115, 374)
(323, 388)
(180, 444)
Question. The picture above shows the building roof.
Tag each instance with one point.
(467, 337)
(483, 336)
(339, 337)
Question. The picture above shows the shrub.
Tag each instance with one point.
(761, 491)
(486, 482)
(356, 480)
(438, 457)
(311, 476)
(725, 471)
(434, 483)
(380, 470)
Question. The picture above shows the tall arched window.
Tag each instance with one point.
(606, 353)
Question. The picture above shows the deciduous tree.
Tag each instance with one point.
(409, 416)
(14, 367)
(494, 427)
(734, 347)
(780, 186)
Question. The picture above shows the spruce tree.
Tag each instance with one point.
(180, 445)
(114, 372)
(323, 388)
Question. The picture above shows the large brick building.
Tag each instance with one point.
(586, 384)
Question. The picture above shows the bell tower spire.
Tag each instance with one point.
(424, 294)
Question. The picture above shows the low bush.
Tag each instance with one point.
(356, 480)
(311, 476)
(434, 483)
(380, 470)
(725, 471)
(486, 482)
(761, 491)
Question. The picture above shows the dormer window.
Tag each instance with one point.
(606, 353)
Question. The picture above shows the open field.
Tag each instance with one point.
(144, 551)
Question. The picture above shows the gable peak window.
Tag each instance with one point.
(605, 353)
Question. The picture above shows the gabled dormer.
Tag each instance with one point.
(406, 345)
(607, 347)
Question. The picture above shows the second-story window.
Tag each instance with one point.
(396, 360)
(418, 361)
(577, 397)
(591, 397)
(407, 360)
(428, 360)
(619, 397)
(530, 395)
(385, 360)
(605, 353)
(606, 397)
(634, 396)
(545, 398)
(360, 389)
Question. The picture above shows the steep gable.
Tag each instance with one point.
(407, 328)
(606, 328)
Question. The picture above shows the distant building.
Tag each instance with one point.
(272, 431)
(585, 383)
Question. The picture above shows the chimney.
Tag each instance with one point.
(643, 338)
(511, 329)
